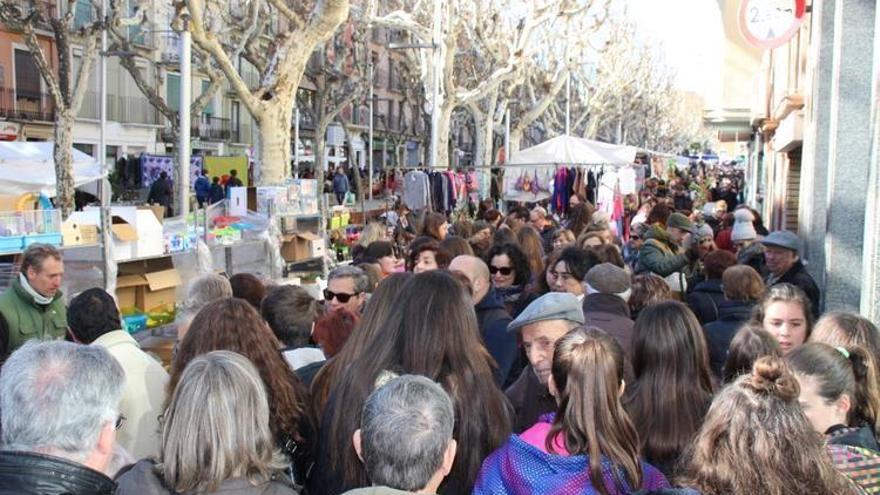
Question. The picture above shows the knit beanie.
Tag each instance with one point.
(743, 228)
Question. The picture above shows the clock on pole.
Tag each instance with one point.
(769, 24)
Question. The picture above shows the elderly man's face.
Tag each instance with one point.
(539, 342)
(779, 260)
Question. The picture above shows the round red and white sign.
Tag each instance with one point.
(770, 23)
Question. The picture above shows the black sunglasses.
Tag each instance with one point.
(340, 296)
(506, 270)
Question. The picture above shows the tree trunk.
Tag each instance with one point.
(63, 154)
(515, 142)
(274, 143)
(320, 151)
(445, 122)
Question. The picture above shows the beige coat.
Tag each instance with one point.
(144, 395)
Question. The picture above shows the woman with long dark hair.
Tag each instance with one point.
(435, 226)
(234, 325)
(589, 445)
(756, 440)
(376, 312)
(673, 386)
(432, 331)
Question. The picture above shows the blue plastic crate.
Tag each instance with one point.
(134, 323)
(53, 238)
(11, 244)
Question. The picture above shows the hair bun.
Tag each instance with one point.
(771, 376)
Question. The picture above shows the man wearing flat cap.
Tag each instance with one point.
(541, 324)
(782, 259)
(662, 252)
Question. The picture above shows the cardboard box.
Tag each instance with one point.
(124, 239)
(158, 211)
(147, 284)
(301, 246)
(151, 238)
(75, 234)
(124, 233)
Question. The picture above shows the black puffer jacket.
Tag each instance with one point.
(27, 473)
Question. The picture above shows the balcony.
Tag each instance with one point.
(123, 109)
(26, 106)
(170, 46)
(47, 6)
(210, 129)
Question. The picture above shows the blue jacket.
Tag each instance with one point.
(202, 187)
(493, 319)
(340, 183)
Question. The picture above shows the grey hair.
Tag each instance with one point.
(406, 427)
(202, 291)
(36, 254)
(216, 426)
(55, 397)
(361, 281)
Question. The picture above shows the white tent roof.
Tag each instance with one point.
(570, 150)
(30, 167)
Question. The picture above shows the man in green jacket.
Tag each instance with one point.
(33, 307)
(662, 253)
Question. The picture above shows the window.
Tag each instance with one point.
(209, 108)
(172, 87)
(27, 76)
(82, 13)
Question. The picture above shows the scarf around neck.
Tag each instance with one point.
(38, 298)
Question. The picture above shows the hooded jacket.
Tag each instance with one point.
(28, 473)
(520, 468)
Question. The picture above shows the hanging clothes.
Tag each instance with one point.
(416, 191)
(528, 184)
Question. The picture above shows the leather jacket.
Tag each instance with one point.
(29, 473)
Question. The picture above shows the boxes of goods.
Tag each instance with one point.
(302, 246)
(148, 285)
(11, 238)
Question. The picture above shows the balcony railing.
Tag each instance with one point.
(124, 109)
(26, 106)
(170, 46)
(211, 129)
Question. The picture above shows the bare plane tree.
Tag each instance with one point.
(226, 30)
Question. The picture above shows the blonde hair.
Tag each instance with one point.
(217, 426)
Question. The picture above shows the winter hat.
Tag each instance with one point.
(704, 231)
(607, 278)
(743, 228)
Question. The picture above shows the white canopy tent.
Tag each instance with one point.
(27, 167)
(570, 150)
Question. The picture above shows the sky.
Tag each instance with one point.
(690, 37)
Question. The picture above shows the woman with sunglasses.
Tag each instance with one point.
(510, 274)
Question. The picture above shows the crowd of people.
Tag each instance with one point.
(510, 354)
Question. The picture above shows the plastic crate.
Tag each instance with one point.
(11, 244)
(54, 239)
